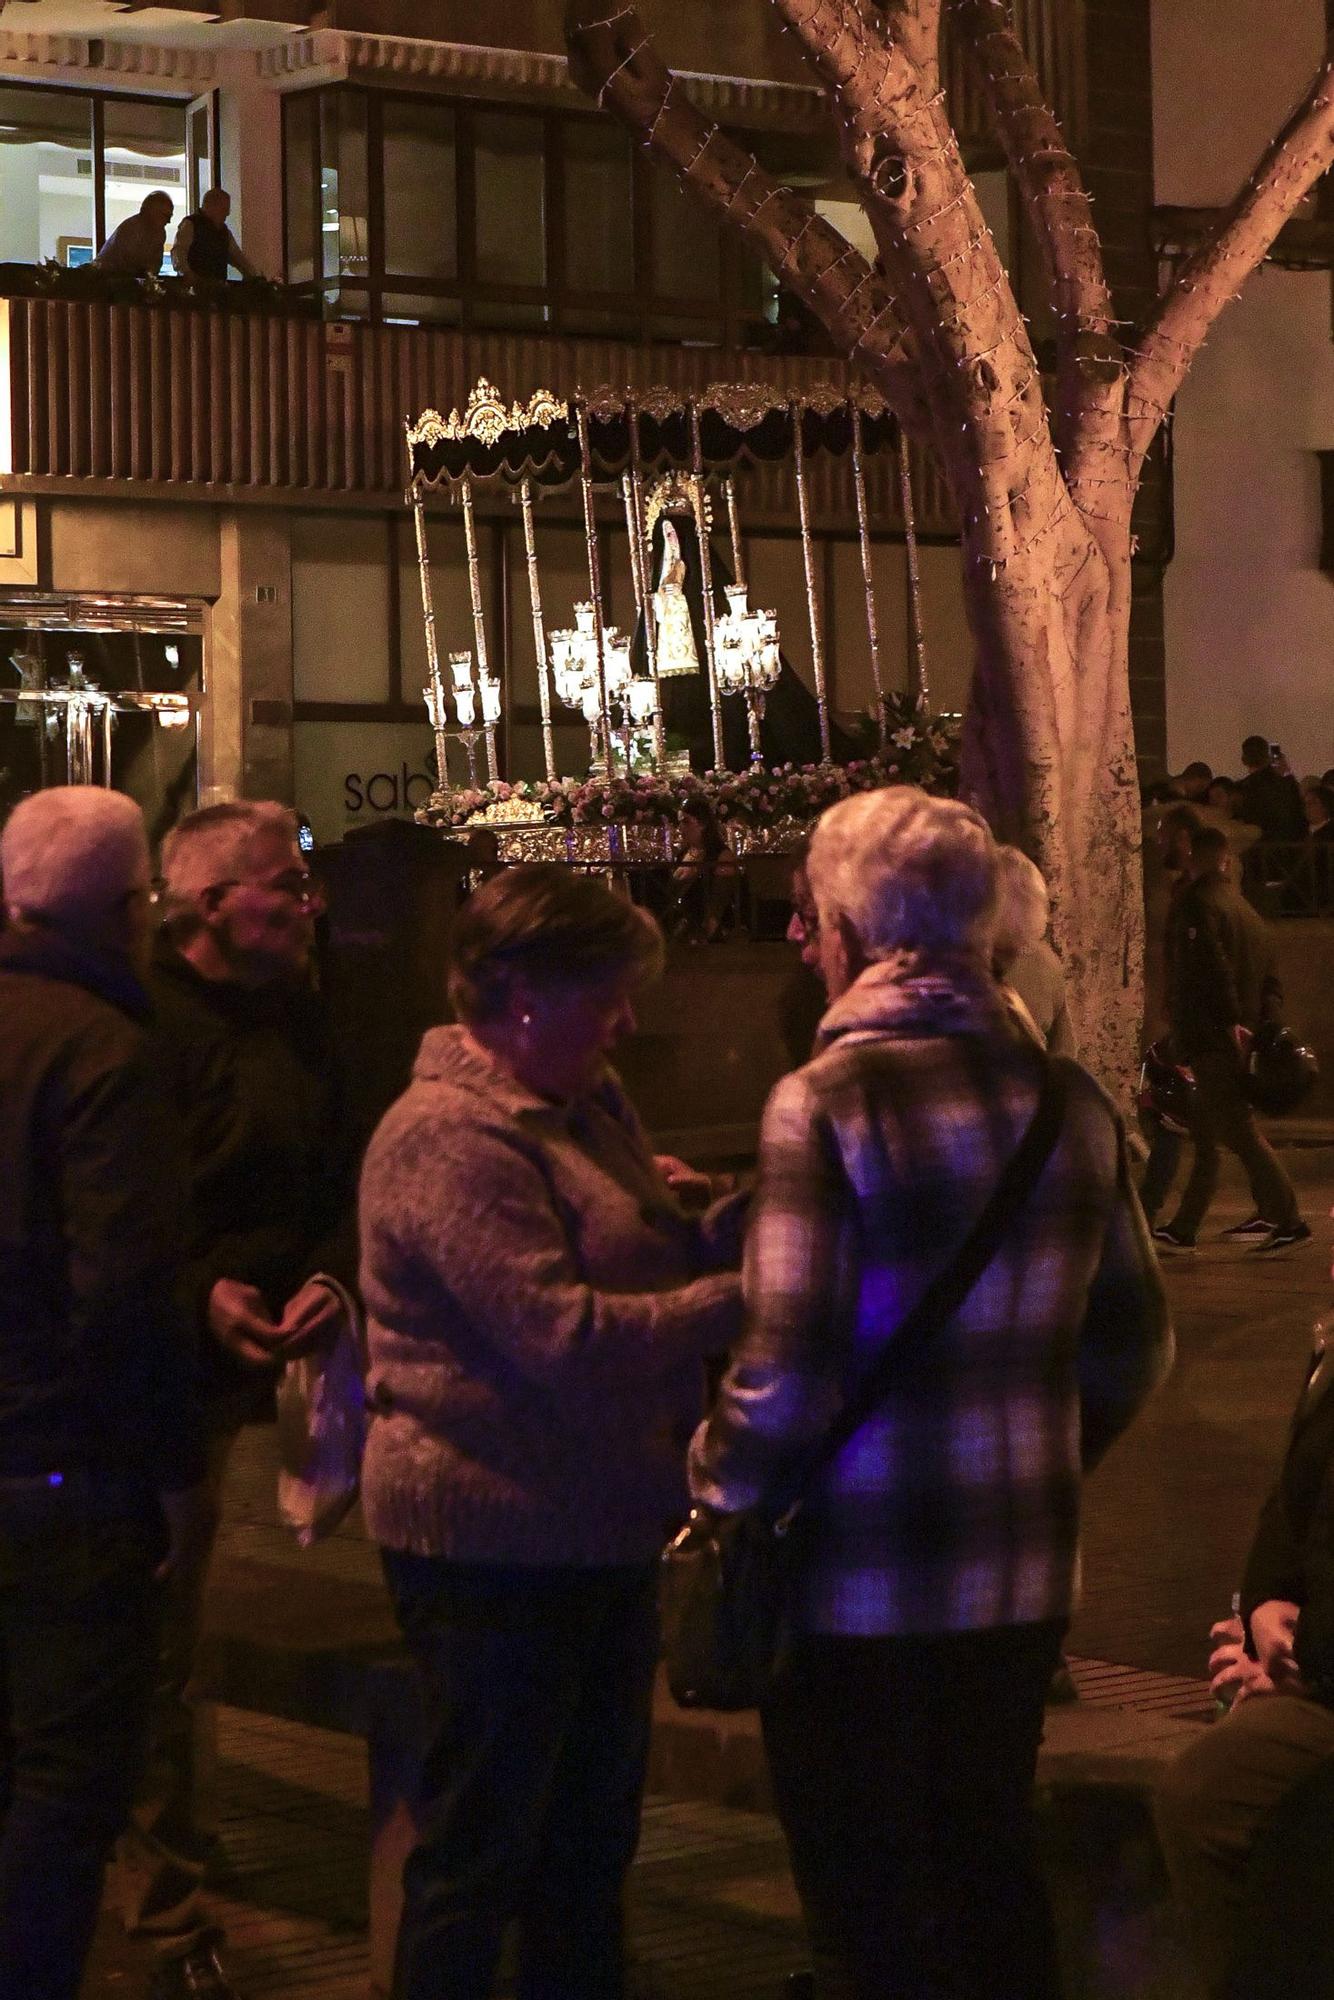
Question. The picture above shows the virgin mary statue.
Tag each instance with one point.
(677, 652)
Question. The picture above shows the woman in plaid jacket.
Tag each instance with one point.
(937, 1565)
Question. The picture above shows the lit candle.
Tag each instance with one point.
(490, 700)
(465, 701)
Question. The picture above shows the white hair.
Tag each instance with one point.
(1024, 909)
(906, 872)
(71, 855)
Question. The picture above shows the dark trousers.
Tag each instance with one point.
(1221, 1115)
(902, 1771)
(538, 1689)
(1160, 1170)
(1246, 1821)
(78, 1633)
(161, 1859)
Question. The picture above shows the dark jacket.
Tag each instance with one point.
(1292, 1555)
(97, 1364)
(271, 1177)
(1273, 802)
(1220, 967)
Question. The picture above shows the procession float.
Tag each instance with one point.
(699, 700)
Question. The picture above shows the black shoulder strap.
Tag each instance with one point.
(947, 1291)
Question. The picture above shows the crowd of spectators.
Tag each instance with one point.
(545, 1299)
(1279, 826)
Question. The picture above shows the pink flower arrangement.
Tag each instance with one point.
(924, 752)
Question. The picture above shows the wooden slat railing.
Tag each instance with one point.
(258, 404)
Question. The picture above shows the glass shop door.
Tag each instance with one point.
(101, 690)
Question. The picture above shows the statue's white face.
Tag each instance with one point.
(671, 542)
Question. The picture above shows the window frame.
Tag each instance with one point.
(97, 100)
(638, 315)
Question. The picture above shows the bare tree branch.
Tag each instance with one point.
(1090, 362)
(915, 26)
(850, 57)
(614, 60)
(1289, 168)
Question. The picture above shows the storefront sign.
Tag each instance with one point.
(349, 774)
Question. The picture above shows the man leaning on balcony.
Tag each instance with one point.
(205, 249)
(136, 249)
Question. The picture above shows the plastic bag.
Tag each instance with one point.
(321, 1430)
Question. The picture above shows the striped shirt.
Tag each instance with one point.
(956, 1505)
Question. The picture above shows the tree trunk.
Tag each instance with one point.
(1049, 756)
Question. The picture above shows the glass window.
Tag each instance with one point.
(687, 263)
(144, 151)
(46, 177)
(599, 208)
(300, 155)
(510, 175)
(344, 185)
(202, 166)
(420, 189)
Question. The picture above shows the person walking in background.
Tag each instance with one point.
(101, 1447)
(138, 247)
(540, 1306)
(1023, 956)
(243, 1042)
(932, 1568)
(205, 248)
(1222, 986)
(1172, 837)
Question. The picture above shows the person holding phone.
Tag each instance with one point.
(1269, 796)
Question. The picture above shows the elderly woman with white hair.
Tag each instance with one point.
(933, 1560)
(1023, 956)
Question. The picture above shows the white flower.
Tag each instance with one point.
(903, 739)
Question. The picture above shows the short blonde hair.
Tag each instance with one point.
(71, 854)
(1024, 909)
(906, 872)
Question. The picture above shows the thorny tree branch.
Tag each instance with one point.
(613, 59)
(915, 25)
(1090, 363)
(938, 254)
(1234, 247)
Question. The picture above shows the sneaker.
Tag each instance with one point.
(197, 1976)
(1283, 1239)
(1169, 1238)
(1254, 1225)
(1062, 1687)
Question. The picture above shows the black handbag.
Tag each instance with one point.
(725, 1576)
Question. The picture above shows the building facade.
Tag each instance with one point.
(206, 495)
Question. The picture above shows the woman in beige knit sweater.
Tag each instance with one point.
(540, 1305)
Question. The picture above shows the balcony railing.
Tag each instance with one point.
(263, 404)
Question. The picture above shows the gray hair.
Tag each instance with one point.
(1024, 910)
(906, 872)
(71, 855)
(213, 846)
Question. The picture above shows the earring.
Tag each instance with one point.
(525, 1020)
